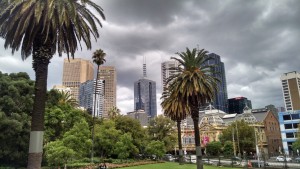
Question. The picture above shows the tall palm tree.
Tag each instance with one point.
(98, 59)
(177, 110)
(195, 84)
(113, 112)
(41, 28)
(66, 98)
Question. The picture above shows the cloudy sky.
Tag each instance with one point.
(258, 41)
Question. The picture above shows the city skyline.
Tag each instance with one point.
(257, 41)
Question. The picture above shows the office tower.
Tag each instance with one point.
(145, 95)
(221, 97)
(167, 71)
(291, 90)
(289, 123)
(237, 105)
(109, 76)
(75, 72)
(87, 97)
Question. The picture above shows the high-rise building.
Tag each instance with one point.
(87, 97)
(109, 76)
(221, 97)
(291, 90)
(75, 72)
(167, 71)
(145, 95)
(237, 105)
(289, 124)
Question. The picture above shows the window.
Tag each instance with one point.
(295, 116)
(288, 126)
(289, 135)
(286, 117)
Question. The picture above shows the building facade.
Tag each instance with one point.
(75, 72)
(108, 75)
(221, 97)
(237, 105)
(167, 70)
(141, 116)
(87, 97)
(289, 126)
(291, 90)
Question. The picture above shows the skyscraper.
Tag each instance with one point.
(221, 97)
(291, 90)
(145, 95)
(109, 77)
(75, 72)
(87, 97)
(237, 105)
(167, 71)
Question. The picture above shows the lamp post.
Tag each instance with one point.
(256, 146)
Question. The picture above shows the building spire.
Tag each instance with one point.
(144, 68)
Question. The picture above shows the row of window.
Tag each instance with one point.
(291, 117)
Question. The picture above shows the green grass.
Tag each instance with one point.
(170, 165)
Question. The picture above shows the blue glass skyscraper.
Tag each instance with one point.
(220, 102)
(145, 95)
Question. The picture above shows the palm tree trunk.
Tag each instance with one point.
(94, 113)
(41, 59)
(195, 117)
(179, 142)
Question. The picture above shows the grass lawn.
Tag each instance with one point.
(170, 165)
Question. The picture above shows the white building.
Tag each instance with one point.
(87, 97)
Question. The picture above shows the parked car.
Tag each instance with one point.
(236, 158)
(282, 158)
(168, 157)
(190, 158)
(297, 159)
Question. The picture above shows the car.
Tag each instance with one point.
(297, 159)
(190, 158)
(236, 158)
(168, 157)
(282, 158)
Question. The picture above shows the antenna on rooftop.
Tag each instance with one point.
(144, 67)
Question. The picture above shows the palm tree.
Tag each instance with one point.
(196, 85)
(98, 59)
(66, 98)
(113, 113)
(41, 28)
(177, 110)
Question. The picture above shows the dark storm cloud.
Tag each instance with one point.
(257, 40)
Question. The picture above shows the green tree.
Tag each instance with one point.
(16, 99)
(156, 148)
(296, 145)
(78, 139)
(57, 153)
(126, 124)
(228, 149)
(214, 148)
(177, 110)
(41, 28)
(245, 135)
(162, 129)
(125, 147)
(65, 98)
(196, 85)
(113, 113)
(105, 136)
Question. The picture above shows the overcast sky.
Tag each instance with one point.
(257, 40)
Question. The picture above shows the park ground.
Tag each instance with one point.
(171, 165)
